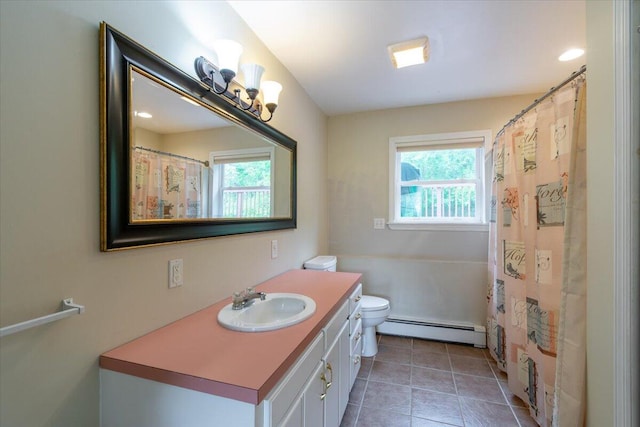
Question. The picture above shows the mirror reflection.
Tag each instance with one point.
(190, 163)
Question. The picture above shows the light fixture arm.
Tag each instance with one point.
(251, 93)
(258, 107)
(213, 85)
(271, 107)
(255, 106)
(206, 71)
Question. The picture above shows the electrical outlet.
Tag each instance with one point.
(175, 273)
(274, 249)
(378, 223)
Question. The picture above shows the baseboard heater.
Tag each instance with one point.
(464, 333)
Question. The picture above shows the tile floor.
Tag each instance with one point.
(420, 383)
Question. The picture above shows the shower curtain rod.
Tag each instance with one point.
(545, 96)
(138, 147)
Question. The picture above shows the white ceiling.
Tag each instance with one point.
(337, 50)
(170, 113)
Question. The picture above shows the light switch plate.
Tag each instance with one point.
(274, 249)
(175, 273)
(378, 223)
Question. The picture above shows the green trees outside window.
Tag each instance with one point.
(439, 183)
(247, 189)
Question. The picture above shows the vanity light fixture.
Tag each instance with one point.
(228, 53)
(412, 52)
(571, 54)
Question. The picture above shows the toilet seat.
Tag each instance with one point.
(371, 303)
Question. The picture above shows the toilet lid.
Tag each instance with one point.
(374, 303)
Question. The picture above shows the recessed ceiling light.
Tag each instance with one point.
(412, 52)
(571, 54)
(142, 114)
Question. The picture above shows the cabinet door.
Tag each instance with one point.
(356, 361)
(345, 370)
(313, 396)
(334, 362)
(356, 351)
(295, 416)
(284, 394)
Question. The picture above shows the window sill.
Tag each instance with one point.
(482, 228)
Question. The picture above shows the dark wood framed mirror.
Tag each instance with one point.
(179, 162)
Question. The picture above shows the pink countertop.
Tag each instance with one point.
(197, 353)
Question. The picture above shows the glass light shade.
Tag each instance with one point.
(270, 92)
(252, 75)
(228, 53)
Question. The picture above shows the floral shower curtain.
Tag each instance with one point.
(167, 187)
(537, 256)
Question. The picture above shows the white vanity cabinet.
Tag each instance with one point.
(293, 397)
(313, 393)
(322, 400)
(194, 372)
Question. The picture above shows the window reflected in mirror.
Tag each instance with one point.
(189, 163)
(242, 182)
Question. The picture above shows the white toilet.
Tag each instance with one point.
(375, 310)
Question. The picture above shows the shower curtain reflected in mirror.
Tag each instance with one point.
(166, 186)
(537, 256)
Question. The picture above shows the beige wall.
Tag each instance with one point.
(49, 205)
(200, 143)
(424, 274)
(148, 139)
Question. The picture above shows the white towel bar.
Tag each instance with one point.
(68, 309)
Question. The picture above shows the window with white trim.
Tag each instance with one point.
(242, 183)
(437, 179)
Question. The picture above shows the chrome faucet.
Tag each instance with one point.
(245, 298)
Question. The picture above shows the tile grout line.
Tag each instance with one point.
(455, 384)
(489, 358)
(364, 390)
(366, 384)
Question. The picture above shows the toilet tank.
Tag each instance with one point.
(324, 263)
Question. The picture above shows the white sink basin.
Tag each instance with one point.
(277, 311)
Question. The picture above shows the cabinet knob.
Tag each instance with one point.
(330, 369)
(358, 336)
(356, 360)
(358, 316)
(358, 298)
